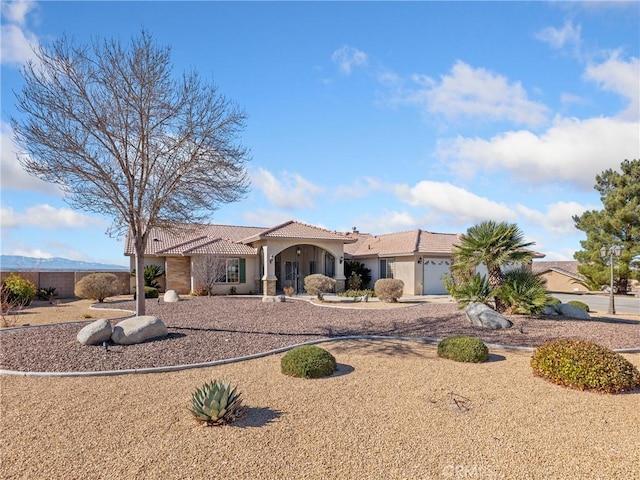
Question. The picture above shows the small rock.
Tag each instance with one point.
(95, 333)
(171, 296)
(273, 298)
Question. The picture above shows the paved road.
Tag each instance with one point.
(600, 303)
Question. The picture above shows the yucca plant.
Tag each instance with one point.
(216, 403)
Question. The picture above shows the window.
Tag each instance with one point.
(329, 265)
(387, 266)
(230, 273)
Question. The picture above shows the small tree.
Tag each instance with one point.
(618, 223)
(10, 304)
(99, 286)
(494, 245)
(389, 289)
(359, 268)
(318, 284)
(123, 136)
(208, 270)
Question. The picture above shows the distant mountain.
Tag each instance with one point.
(19, 263)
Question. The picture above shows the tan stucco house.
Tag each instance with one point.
(265, 260)
(561, 276)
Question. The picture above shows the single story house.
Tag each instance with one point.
(561, 276)
(250, 260)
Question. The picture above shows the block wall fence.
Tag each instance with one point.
(65, 282)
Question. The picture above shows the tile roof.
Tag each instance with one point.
(403, 243)
(209, 239)
(568, 267)
(197, 239)
(293, 229)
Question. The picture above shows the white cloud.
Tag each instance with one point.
(476, 92)
(456, 204)
(16, 11)
(17, 40)
(558, 216)
(29, 252)
(558, 38)
(11, 172)
(347, 58)
(361, 187)
(388, 221)
(266, 218)
(621, 77)
(290, 191)
(571, 150)
(48, 217)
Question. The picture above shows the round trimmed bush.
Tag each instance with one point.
(388, 289)
(308, 361)
(579, 304)
(584, 366)
(149, 292)
(463, 348)
(553, 301)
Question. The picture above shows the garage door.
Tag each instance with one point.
(434, 269)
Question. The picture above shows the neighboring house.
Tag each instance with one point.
(561, 276)
(265, 260)
(417, 257)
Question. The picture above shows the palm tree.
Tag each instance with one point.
(494, 245)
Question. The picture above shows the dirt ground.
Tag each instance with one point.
(41, 312)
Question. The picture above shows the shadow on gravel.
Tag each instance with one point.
(382, 346)
(251, 332)
(342, 369)
(495, 358)
(258, 417)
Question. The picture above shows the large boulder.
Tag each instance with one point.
(138, 330)
(171, 296)
(549, 311)
(480, 315)
(95, 333)
(570, 311)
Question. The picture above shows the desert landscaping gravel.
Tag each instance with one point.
(393, 410)
(205, 329)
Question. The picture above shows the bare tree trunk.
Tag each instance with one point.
(140, 297)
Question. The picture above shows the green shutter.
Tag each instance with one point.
(243, 270)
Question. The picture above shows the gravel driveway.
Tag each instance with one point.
(205, 329)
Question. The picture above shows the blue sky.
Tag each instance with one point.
(385, 116)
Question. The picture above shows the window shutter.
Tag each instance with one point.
(243, 270)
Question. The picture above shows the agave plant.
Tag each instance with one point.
(216, 403)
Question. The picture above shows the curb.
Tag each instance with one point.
(176, 368)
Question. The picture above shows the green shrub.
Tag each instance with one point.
(308, 361)
(98, 286)
(357, 293)
(149, 292)
(359, 268)
(46, 293)
(463, 348)
(474, 290)
(579, 304)
(318, 284)
(216, 403)
(389, 289)
(553, 301)
(584, 366)
(19, 290)
(522, 292)
(354, 281)
(150, 273)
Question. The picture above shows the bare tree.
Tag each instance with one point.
(122, 137)
(208, 270)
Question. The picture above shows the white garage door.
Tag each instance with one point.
(434, 269)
